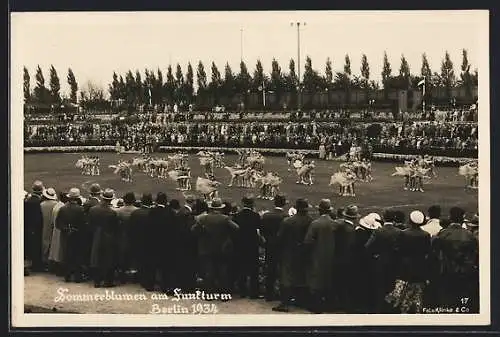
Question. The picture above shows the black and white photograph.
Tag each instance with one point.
(287, 168)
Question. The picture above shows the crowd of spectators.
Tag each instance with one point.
(319, 258)
(451, 138)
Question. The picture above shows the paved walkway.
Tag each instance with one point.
(49, 293)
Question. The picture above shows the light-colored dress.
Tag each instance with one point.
(47, 207)
(56, 246)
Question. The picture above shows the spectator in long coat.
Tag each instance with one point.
(383, 246)
(71, 223)
(139, 233)
(124, 213)
(343, 284)
(320, 243)
(87, 237)
(47, 206)
(271, 222)
(185, 241)
(364, 297)
(459, 268)
(215, 246)
(57, 242)
(104, 221)
(415, 244)
(33, 223)
(247, 248)
(292, 260)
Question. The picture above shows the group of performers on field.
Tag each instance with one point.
(89, 165)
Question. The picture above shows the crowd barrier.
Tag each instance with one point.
(389, 157)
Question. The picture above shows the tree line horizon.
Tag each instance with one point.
(132, 88)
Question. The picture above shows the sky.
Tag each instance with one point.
(96, 44)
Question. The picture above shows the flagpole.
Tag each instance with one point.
(423, 98)
(263, 93)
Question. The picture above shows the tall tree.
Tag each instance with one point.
(201, 79)
(55, 86)
(229, 84)
(41, 92)
(130, 88)
(404, 73)
(158, 92)
(309, 79)
(122, 88)
(215, 83)
(347, 65)
(447, 74)
(189, 83)
(26, 85)
(139, 89)
(258, 76)
(425, 70)
(113, 87)
(465, 74)
(365, 70)
(179, 84)
(328, 72)
(170, 85)
(244, 79)
(386, 74)
(291, 78)
(73, 86)
(276, 84)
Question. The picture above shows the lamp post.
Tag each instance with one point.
(299, 89)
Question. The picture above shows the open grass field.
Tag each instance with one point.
(448, 189)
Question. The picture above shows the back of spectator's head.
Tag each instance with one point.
(228, 206)
(340, 212)
(175, 205)
(279, 200)
(388, 215)
(301, 205)
(417, 218)
(434, 212)
(129, 198)
(457, 215)
(399, 217)
(63, 197)
(147, 199)
(161, 199)
(248, 201)
(444, 223)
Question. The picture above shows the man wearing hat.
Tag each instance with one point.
(214, 236)
(414, 247)
(71, 222)
(140, 230)
(124, 214)
(49, 200)
(104, 221)
(384, 246)
(293, 262)
(320, 243)
(271, 222)
(247, 247)
(33, 224)
(458, 249)
(87, 235)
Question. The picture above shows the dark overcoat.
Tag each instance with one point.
(104, 221)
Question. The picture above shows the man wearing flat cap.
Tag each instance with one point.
(247, 247)
(320, 243)
(215, 246)
(290, 240)
(104, 221)
(33, 224)
(458, 249)
(71, 223)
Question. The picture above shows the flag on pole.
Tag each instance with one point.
(149, 96)
(421, 83)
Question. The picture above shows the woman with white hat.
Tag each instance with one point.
(49, 200)
(414, 248)
(365, 294)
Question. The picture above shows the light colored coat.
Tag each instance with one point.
(47, 207)
(56, 245)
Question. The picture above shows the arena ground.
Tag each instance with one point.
(448, 189)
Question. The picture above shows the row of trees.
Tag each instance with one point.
(133, 88)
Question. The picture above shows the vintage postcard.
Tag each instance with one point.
(197, 169)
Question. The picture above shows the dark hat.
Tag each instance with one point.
(325, 205)
(108, 194)
(37, 187)
(351, 212)
(175, 204)
(248, 201)
(129, 198)
(147, 199)
(74, 193)
(457, 214)
(161, 198)
(301, 204)
(95, 189)
(279, 200)
(216, 204)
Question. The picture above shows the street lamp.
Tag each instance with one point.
(299, 89)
